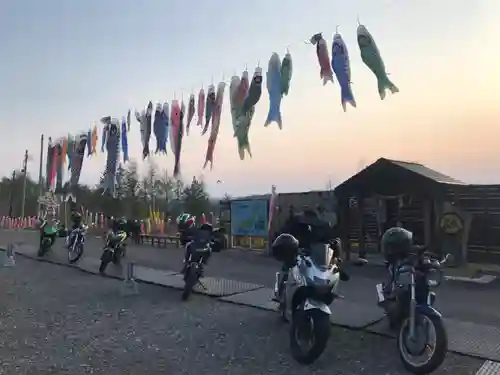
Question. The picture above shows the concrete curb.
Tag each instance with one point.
(482, 280)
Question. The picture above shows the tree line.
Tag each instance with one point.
(135, 195)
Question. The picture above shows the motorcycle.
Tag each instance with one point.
(114, 249)
(193, 269)
(408, 302)
(75, 243)
(304, 293)
(48, 235)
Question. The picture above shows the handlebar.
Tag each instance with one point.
(426, 260)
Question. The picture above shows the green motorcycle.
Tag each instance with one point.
(48, 234)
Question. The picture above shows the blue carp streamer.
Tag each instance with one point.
(124, 141)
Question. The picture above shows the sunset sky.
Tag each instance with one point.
(65, 64)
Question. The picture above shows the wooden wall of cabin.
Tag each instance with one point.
(374, 211)
(483, 202)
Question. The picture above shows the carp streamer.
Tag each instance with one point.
(216, 115)
(112, 141)
(373, 60)
(274, 90)
(325, 69)
(342, 68)
(77, 151)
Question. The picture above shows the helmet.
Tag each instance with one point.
(186, 221)
(396, 243)
(182, 218)
(285, 248)
(76, 216)
(121, 224)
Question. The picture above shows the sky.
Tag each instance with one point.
(65, 64)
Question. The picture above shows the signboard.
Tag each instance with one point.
(249, 217)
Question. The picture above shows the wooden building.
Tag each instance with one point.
(392, 192)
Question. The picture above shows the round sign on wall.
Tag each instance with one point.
(451, 223)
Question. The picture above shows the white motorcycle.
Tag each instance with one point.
(304, 293)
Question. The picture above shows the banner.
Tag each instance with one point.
(249, 217)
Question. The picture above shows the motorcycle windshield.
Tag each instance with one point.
(321, 255)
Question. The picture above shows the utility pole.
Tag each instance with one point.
(40, 170)
(25, 172)
(40, 177)
(11, 193)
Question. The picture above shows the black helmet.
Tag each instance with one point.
(285, 248)
(75, 215)
(396, 243)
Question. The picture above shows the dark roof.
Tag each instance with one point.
(389, 177)
(251, 197)
(426, 172)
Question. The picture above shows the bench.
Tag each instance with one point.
(161, 240)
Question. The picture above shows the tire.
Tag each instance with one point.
(439, 353)
(189, 281)
(321, 334)
(79, 254)
(106, 258)
(44, 248)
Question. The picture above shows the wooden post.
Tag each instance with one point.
(343, 217)
(362, 228)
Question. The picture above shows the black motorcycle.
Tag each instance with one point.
(114, 249)
(193, 269)
(75, 244)
(408, 302)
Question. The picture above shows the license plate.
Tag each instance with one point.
(380, 293)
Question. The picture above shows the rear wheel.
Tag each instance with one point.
(190, 280)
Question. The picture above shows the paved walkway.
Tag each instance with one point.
(465, 337)
(56, 320)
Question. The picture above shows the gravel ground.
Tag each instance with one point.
(57, 320)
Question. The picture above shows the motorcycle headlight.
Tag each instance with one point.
(434, 278)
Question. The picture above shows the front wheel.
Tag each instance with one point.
(190, 280)
(419, 355)
(44, 247)
(309, 334)
(75, 253)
